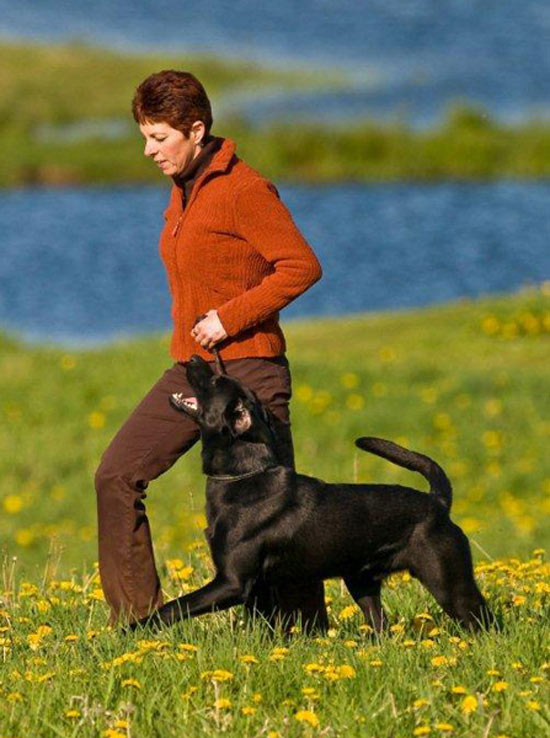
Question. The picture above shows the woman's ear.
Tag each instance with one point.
(198, 132)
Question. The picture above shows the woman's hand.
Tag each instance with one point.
(209, 331)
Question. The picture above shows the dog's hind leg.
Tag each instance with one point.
(366, 592)
(443, 564)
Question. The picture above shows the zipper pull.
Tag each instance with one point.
(177, 226)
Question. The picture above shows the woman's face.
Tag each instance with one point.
(169, 148)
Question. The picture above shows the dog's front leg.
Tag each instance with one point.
(219, 594)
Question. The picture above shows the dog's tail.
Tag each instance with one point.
(440, 485)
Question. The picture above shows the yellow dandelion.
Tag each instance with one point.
(355, 402)
(444, 727)
(500, 686)
(533, 705)
(248, 658)
(306, 716)
(248, 710)
(257, 697)
(72, 713)
(349, 380)
(96, 419)
(422, 730)
(420, 702)
(24, 537)
(67, 362)
(346, 672)
(217, 675)
(440, 661)
(13, 504)
(222, 703)
(469, 704)
(131, 683)
(459, 689)
(348, 612)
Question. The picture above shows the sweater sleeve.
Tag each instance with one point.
(265, 222)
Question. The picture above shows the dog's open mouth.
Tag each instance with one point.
(187, 404)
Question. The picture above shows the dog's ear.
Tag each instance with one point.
(240, 420)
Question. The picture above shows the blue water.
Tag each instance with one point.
(81, 265)
(408, 58)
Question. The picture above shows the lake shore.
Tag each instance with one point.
(76, 133)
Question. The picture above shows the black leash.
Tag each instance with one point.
(218, 363)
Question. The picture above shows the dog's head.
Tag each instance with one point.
(224, 409)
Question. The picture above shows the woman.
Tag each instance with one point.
(233, 256)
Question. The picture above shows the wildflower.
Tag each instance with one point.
(110, 733)
(218, 675)
(310, 692)
(72, 713)
(306, 716)
(459, 689)
(348, 612)
(314, 667)
(349, 380)
(500, 686)
(420, 702)
(397, 628)
(131, 683)
(222, 703)
(346, 672)
(440, 661)
(469, 704)
(533, 705)
(376, 663)
(444, 727)
(422, 730)
(257, 697)
(96, 420)
(67, 362)
(248, 659)
(13, 504)
(248, 710)
(278, 654)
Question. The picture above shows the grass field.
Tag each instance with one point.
(466, 383)
(46, 91)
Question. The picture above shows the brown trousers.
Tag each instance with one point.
(148, 444)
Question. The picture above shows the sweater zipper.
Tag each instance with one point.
(177, 226)
(181, 216)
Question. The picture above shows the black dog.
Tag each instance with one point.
(269, 525)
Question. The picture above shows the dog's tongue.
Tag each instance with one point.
(181, 401)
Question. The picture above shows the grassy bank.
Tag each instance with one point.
(46, 90)
(465, 383)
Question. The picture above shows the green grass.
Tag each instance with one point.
(55, 86)
(466, 383)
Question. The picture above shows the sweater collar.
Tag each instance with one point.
(215, 156)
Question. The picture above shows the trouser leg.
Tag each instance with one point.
(150, 441)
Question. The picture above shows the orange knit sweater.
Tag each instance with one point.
(236, 249)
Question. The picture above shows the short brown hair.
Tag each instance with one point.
(176, 98)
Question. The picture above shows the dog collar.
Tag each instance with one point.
(237, 477)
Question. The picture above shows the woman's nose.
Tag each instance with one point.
(150, 148)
